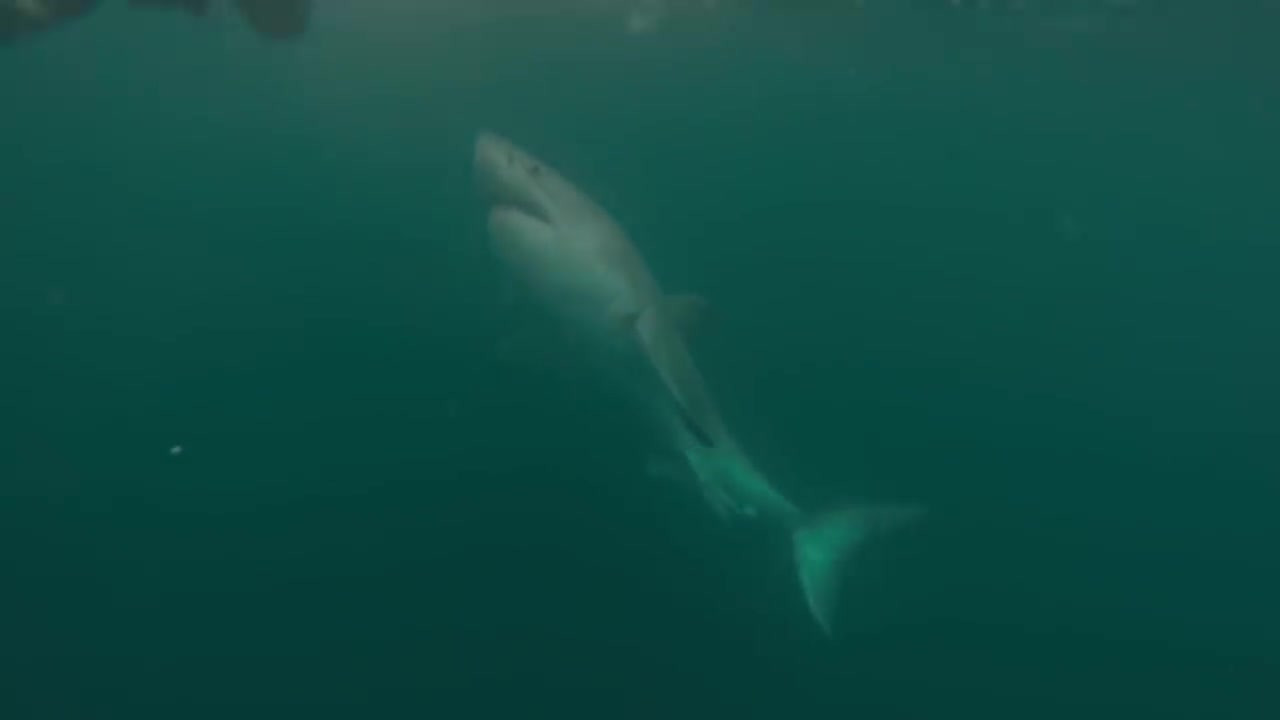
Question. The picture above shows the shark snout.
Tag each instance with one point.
(508, 177)
(489, 149)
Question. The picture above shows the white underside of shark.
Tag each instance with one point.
(581, 266)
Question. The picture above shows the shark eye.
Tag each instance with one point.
(535, 170)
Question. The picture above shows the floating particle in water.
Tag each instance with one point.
(175, 451)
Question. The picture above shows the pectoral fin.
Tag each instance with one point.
(690, 314)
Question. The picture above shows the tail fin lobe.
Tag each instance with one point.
(827, 542)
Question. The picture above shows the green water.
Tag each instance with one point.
(1029, 283)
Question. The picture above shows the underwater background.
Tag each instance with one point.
(1018, 268)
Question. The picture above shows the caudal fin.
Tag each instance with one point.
(826, 543)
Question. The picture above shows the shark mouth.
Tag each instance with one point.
(509, 180)
(519, 205)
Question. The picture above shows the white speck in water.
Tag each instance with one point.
(176, 450)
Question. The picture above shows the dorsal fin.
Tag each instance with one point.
(666, 351)
(688, 313)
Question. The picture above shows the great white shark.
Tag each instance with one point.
(579, 263)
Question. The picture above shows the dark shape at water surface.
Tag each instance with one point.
(277, 19)
(18, 19)
(195, 7)
(274, 19)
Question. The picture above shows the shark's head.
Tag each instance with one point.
(548, 231)
(519, 184)
(528, 213)
(508, 176)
